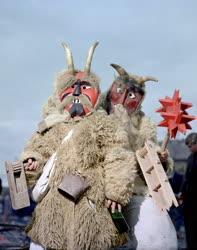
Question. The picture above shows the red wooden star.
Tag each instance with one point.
(174, 113)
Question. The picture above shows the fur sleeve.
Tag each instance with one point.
(147, 131)
(32, 151)
(120, 169)
(168, 165)
(120, 173)
(42, 146)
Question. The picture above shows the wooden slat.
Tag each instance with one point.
(155, 176)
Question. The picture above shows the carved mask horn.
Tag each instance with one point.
(89, 58)
(121, 71)
(139, 79)
(69, 57)
(144, 79)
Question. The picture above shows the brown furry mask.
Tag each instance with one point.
(128, 90)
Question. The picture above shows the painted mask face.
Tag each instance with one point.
(129, 94)
(80, 98)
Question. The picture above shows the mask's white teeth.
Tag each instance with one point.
(76, 101)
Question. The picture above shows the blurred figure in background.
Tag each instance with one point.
(176, 213)
(188, 195)
(0, 186)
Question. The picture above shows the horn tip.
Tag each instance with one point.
(113, 65)
(65, 45)
(96, 43)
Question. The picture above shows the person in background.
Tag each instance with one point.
(5, 209)
(0, 186)
(1, 198)
(176, 213)
(188, 195)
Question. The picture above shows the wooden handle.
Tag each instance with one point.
(165, 141)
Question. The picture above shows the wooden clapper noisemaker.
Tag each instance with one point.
(17, 185)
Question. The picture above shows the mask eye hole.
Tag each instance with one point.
(86, 87)
(119, 90)
(131, 95)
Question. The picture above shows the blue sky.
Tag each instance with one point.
(156, 38)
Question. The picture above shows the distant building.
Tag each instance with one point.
(179, 152)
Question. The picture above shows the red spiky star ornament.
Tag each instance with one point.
(174, 114)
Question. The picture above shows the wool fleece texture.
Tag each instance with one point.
(99, 151)
(141, 128)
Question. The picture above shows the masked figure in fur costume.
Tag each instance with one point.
(73, 141)
(151, 228)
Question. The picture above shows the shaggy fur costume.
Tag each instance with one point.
(144, 129)
(140, 128)
(99, 151)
